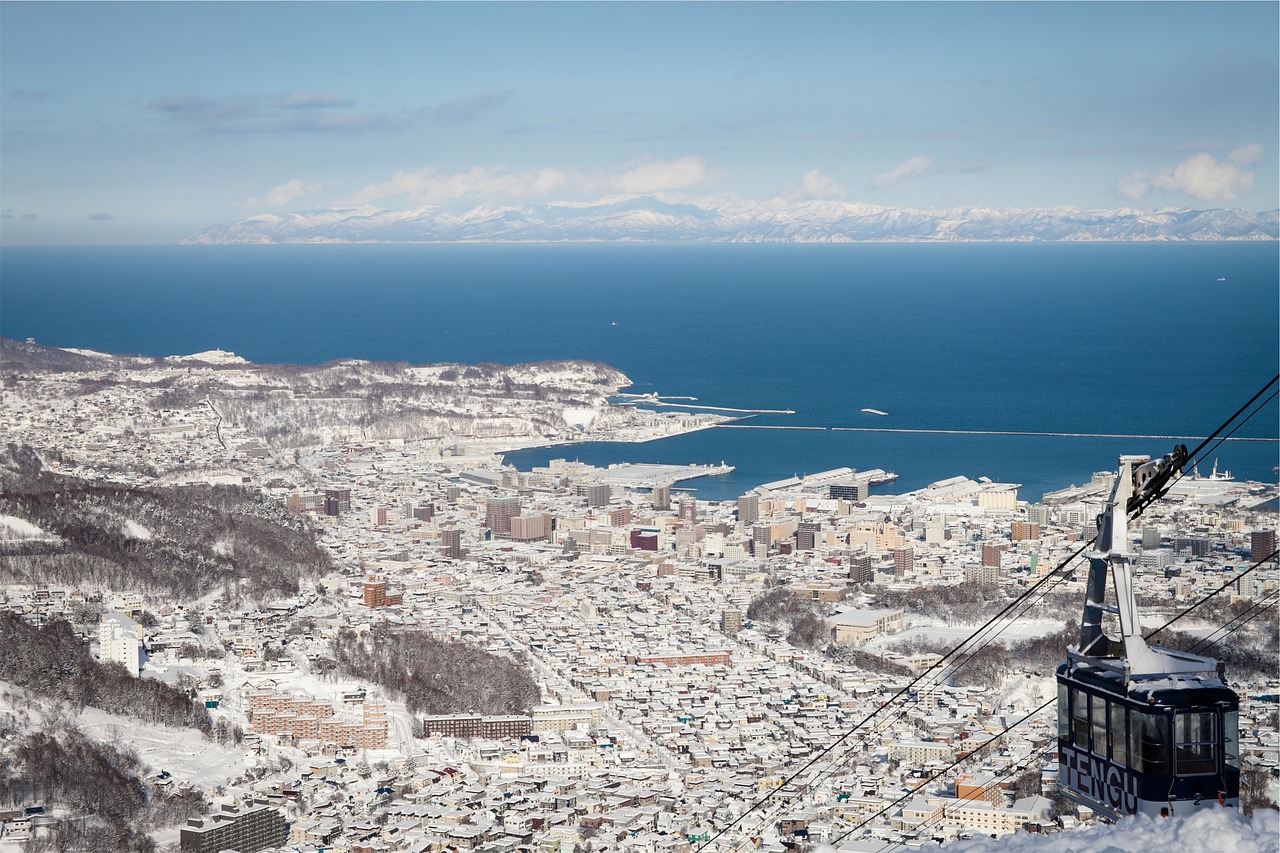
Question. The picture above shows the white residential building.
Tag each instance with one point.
(120, 639)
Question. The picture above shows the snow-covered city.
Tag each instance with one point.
(392, 641)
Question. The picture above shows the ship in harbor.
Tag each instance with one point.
(1214, 475)
(876, 412)
(877, 476)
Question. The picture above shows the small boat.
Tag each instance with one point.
(875, 412)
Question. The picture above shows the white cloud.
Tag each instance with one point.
(1245, 154)
(1204, 178)
(1133, 186)
(910, 168)
(814, 184)
(290, 190)
(658, 175)
(1201, 177)
(428, 185)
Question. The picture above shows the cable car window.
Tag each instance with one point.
(1080, 718)
(1195, 738)
(1098, 716)
(1150, 743)
(1064, 726)
(1231, 738)
(1119, 735)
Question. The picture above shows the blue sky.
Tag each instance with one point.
(141, 123)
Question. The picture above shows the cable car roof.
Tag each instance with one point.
(1177, 691)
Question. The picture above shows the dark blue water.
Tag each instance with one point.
(1098, 338)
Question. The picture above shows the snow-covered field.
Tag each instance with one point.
(1025, 629)
(17, 528)
(185, 754)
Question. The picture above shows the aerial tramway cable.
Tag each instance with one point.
(1254, 611)
(1262, 606)
(1239, 411)
(760, 802)
(1035, 588)
(1210, 595)
(954, 764)
(1020, 766)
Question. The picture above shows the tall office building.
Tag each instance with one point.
(807, 535)
(992, 552)
(451, 542)
(861, 568)
(1038, 514)
(1199, 546)
(337, 501)
(731, 621)
(748, 509)
(498, 513)
(376, 595)
(660, 497)
(1248, 587)
(1261, 544)
(688, 509)
(904, 561)
(1022, 531)
(598, 494)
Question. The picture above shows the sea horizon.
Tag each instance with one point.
(979, 339)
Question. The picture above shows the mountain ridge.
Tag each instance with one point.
(659, 218)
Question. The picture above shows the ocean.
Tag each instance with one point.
(1138, 340)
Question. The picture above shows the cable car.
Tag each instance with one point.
(1141, 729)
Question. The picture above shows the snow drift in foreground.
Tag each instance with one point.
(1209, 831)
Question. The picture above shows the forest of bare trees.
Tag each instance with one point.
(67, 768)
(434, 675)
(790, 614)
(101, 784)
(52, 662)
(181, 542)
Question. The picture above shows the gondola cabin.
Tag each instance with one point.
(1141, 729)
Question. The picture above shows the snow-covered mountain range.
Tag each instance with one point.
(725, 219)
